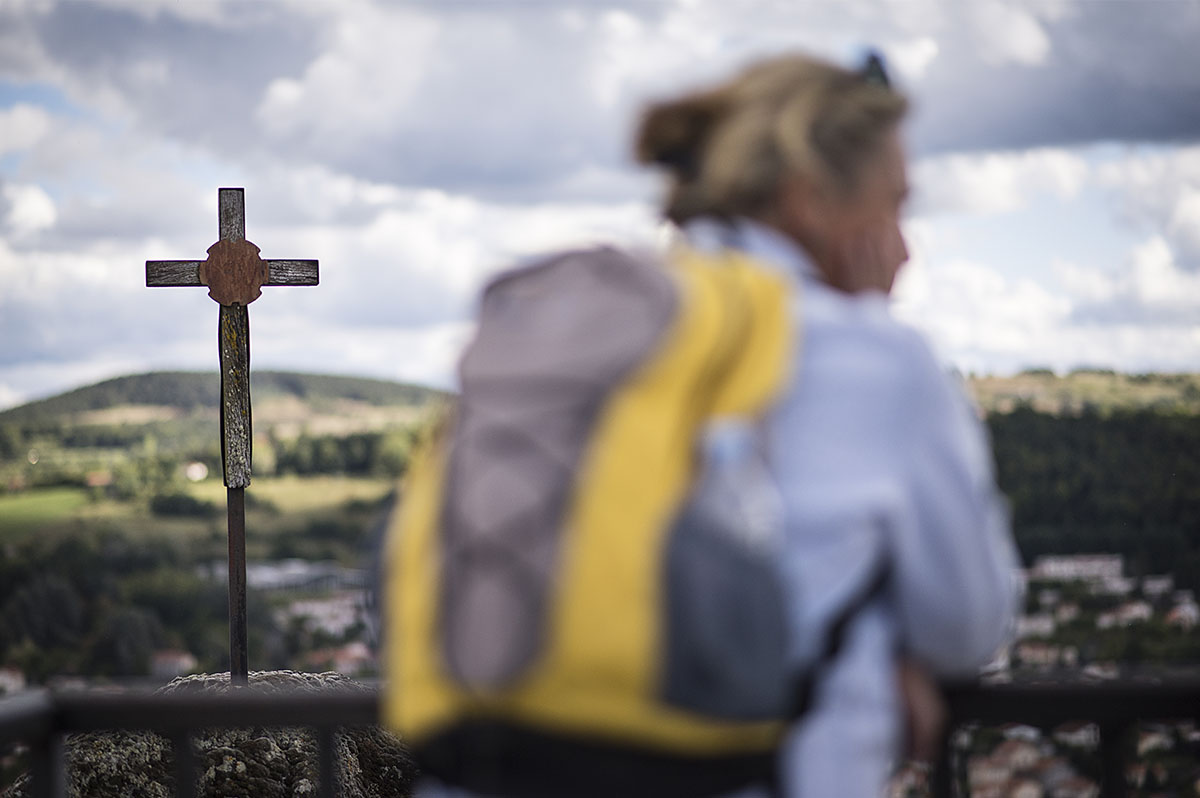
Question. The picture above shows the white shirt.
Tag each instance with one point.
(878, 455)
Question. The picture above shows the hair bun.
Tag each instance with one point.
(672, 134)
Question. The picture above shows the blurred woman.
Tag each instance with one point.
(890, 503)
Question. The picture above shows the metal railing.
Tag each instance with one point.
(1115, 707)
(41, 719)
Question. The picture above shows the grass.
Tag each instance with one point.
(301, 495)
(26, 512)
(287, 505)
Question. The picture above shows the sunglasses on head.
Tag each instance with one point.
(873, 71)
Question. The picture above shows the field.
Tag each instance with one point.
(276, 508)
(302, 495)
(25, 513)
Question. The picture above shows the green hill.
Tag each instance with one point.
(1099, 390)
(187, 392)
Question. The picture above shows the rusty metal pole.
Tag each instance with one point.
(233, 340)
(239, 658)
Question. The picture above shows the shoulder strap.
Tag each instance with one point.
(835, 636)
(759, 346)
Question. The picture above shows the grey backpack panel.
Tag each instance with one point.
(724, 615)
(554, 339)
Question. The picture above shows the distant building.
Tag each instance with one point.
(1101, 670)
(1053, 773)
(986, 772)
(349, 660)
(169, 663)
(1077, 567)
(1127, 614)
(1038, 655)
(1065, 613)
(1185, 615)
(1158, 586)
(1048, 598)
(1024, 788)
(1041, 625)
(293, 575)
(11, 681)
(1077, 787)
(1021, 731)
(1113, 586)
(1016, 755)
(1078, 734)
(334, 615)
(1134, 612)
(1153, 740)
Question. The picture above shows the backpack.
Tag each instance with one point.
(583, 590)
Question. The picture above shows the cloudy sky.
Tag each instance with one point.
(417, 147)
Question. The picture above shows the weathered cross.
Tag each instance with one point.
(234, 274)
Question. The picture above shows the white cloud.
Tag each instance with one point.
(1158, 191)
(30, 209)
(424, 355)
(22, 126)
(9, 397)
(1184, 224)
(358, 82)
(1158, 283)
(1143, 317)
(1151, 290)
(996, 182)
(915, 56)
(977, 317)
(1008, 33)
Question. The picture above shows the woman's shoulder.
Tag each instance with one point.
(854, 346)
(861, 327)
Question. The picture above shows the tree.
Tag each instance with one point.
(127, 640)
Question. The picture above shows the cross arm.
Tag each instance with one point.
(160, 273)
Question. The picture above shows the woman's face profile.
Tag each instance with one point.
(855, 237)
(875, 214)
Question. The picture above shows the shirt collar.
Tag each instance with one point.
(754, 239)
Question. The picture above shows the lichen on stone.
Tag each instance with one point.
(253, 762)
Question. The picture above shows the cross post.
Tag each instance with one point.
(234, 274)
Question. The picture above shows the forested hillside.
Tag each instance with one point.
(1125, 482)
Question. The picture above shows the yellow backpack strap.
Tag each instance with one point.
(759, 332)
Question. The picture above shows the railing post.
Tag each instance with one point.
(185, 764)
(1112, 759)
(48, 768)
(326, 767)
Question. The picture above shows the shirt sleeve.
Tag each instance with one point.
(954, 562)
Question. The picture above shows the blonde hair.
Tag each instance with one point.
(728, 148)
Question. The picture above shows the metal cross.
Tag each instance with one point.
(234, 274)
